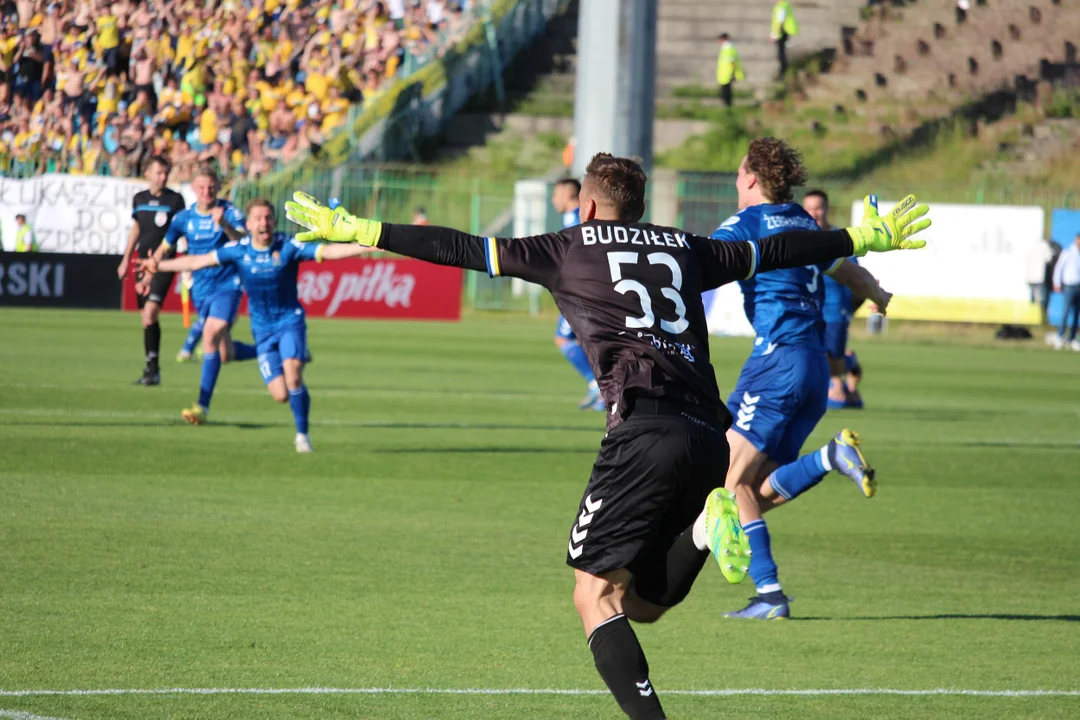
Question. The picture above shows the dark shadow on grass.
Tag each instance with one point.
(146, 424)
(1024, 445)
(482, 450)
(956, 616)
(465, 426)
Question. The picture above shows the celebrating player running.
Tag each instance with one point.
(267, 264)
(782, 392)
(632, 292)
(216, 292)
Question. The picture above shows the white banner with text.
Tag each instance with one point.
(77, 214)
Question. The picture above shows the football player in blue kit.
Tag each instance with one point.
(841, 303)
(783, 389)
(564, 197)
(216, 291)
(267, 263)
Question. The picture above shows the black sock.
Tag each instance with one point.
(152, 344)
(668, 584)
(621, 662)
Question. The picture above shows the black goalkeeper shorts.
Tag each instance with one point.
(650, 482)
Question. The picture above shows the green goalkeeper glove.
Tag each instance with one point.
(332, 225)
(881, 234)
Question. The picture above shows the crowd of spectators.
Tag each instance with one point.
(96, 86)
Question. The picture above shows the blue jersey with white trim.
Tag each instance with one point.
(839, 300)
(784, 306)
(570, 218)
(269, 278)
(204, 236)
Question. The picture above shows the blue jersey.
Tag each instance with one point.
(204, 237)
(269, 278)
(839, 300)
(570, 218)
(784, 306)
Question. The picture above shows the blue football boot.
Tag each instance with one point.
(760, 609)
(848, 460)
(592, 399)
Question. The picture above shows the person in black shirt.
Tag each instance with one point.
(29, 65)
(632, 292)
(152, 211)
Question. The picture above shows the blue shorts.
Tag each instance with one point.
(779, 399)
(836, 338)
(286, 344)
(563, 330)
(221, 304)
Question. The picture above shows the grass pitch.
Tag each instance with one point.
(423, 545)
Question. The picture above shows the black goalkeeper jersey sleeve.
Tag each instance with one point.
(631, 292)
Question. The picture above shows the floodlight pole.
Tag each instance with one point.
(615, 92)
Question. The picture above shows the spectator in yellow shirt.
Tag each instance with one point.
(334, 110)
(208, 126)
(108, 39)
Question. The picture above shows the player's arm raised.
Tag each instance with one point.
(532, 258)
(859, 280)
(724, 262)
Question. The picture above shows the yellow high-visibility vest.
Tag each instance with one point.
(728, 65)
(783, 19)
(21, 244)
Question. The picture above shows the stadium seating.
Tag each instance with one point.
(252, 84)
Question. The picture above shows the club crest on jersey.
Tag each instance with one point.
(275, 257)
(160, 219)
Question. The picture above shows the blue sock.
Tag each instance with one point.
(300, 402)
(193, 336)
(762, 568)
(793, 479)
(211, 366)
(243, 351)
(576, 356)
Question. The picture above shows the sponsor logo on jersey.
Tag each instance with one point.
(787, 222)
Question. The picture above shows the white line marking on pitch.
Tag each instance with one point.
(20, 715)
(533, 691)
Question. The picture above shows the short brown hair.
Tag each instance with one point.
(777, 166)
(158, 160)
(620, 182)
(258, 203)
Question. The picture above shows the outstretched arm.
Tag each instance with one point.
(535, 258)
(180, 264)
(340, 252)
(724, 262)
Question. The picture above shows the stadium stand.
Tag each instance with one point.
(96, 86)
